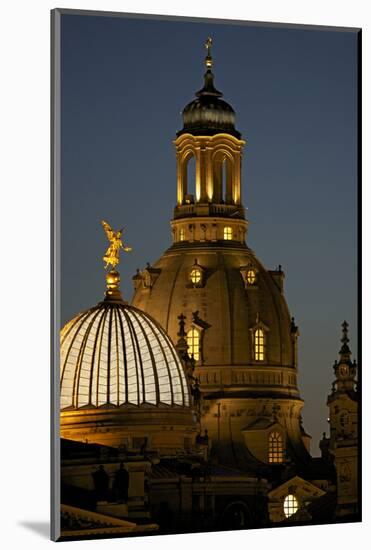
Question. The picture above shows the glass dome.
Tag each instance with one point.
(115, 355)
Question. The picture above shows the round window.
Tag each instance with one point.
(195, 276)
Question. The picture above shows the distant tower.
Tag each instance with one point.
(237, 325)
(343, 441)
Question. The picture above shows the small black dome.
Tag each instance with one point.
(208, 114)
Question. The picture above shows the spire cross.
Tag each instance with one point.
(209, 60)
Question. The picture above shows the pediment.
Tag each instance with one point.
(296, 485)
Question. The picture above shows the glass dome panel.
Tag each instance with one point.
(116, 354)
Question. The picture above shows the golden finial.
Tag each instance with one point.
(208, 59)
(112, 255)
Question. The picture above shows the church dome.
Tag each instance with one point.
(208, 115)
(234, 297)
(115, 355)
(122, 382)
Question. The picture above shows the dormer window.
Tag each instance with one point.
(259, 345)
(195, 276)
(227, 233)
(249, 274)
(251, 277)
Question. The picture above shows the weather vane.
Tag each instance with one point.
(112, 255)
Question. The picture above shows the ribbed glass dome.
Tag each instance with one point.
(115, 355)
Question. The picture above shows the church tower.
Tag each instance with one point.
(238, 327)
(343, 442)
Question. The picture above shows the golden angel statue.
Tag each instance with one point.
(112, 255)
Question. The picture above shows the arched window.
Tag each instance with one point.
(227, 233)
(187, 179)
(222, 178)
(275, 448)
(259, 345)
(195, 276)
(181, 234)
(290, 505)
(193, 341)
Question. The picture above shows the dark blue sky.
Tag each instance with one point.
(124, 84)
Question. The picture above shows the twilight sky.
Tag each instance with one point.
(124, 84)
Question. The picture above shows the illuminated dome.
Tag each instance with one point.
(114, 354)
(234, 298)
(121, 378)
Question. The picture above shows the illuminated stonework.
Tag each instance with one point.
(214, 198)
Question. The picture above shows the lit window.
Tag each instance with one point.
(195, 276)
(193, 341)
(227, 233)
(181, 235)
(251, 277)
(290, 505)
(275, 448)
(259, 345)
